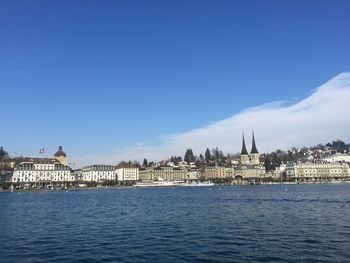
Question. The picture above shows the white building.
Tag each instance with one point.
(339, 158)
(278, 172)
(183, 164)
(126, 172)
(318, 170)
(98, 173)
(78, 175)
(194, 174)
(41, 172)
(164, 173)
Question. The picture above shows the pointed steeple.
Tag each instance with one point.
(244, 148)
(254, 149)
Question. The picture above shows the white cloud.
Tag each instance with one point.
(320, 118)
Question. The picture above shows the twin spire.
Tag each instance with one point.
(244, 148)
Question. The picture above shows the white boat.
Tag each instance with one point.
(205, 183)
(171, 183)
(162, 183)
(154, 184)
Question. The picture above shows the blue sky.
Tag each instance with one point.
(101, 76)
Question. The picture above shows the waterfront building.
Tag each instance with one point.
(42, 171)
(98, 173)
(163, 173)
(5, 176)
(78, 175)
(193, 174)
(212, 172)
(126, 172)
(250, 172)
(314, 171)
(61, 156)
(289, 170)
(279, 173)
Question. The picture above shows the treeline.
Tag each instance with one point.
(3, 154)
(276, 158)
(213, 156)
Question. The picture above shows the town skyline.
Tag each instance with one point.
(127, 81)
(321, 163)
(270, 160)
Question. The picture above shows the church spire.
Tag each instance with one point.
(254, 149)
(244, 148)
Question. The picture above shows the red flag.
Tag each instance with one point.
(41, 150)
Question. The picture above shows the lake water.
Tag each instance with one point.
(262, 223)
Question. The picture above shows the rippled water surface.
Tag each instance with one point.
(263, 223)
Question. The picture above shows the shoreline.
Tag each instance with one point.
(170, 186)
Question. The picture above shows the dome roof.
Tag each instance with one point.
(60, 152)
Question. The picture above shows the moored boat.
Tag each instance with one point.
(205, 183)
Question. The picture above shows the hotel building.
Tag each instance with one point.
(324, 170)
(164, 173)
(126, 172)
(41, 172)
(211, 172)
(98, 173)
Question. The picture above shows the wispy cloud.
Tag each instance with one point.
(321, 117)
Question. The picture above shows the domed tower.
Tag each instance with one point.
(254, 153)
(244, 153)
(61, 156)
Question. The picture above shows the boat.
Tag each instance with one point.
(162, 183)
(205, 183)
(154, 184)
(253, 182)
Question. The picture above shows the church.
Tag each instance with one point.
(250, 166)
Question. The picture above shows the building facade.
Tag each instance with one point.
(193, 174)
(212, 172)
(98, 173)
(339, 158)
(41, 172)
(250, 171)
(164, 173)
(78, 175)
(126, 172)
(318, 170)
